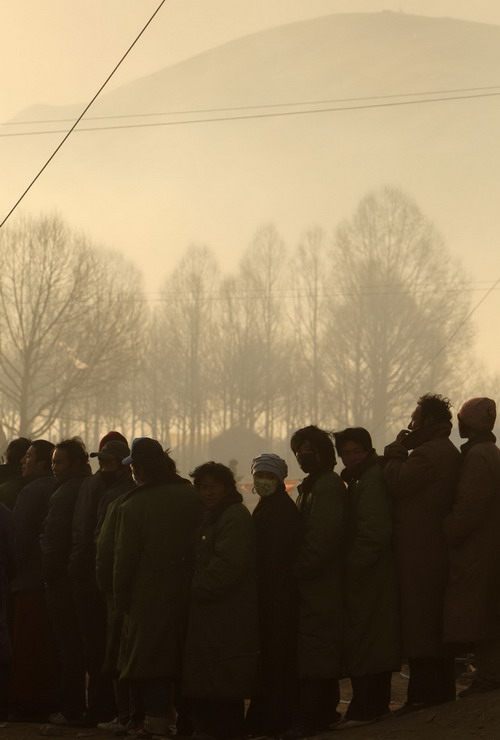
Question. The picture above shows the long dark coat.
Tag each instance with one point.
(371, 627)
(276, 521)
(472, 531)
(422, 486)
(322, 505)
(220, 658)
(7, 571)
(152, 568)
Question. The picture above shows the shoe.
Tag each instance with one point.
(478, 687)
(115, 727)
(58, 718)
(348, 724)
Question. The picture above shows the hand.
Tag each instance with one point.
(402, 435)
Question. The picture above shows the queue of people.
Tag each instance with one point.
(141, 602)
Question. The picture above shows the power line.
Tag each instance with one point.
(252, 116)
(68, 133)
(254, 107)
(452, 336)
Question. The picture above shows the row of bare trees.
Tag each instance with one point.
(343, 330)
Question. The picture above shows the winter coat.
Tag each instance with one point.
(276, 520)
(152, 569)
(10, 490)
(472, 531)
(422, 487)
(220, 657)
(371, 627)
(56, 539)
(29, 515)
(105, 559)
(7, 572)
(125, 484)
(322, 505)
(82, 555)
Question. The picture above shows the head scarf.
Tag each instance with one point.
(270, 463)
(479, 414)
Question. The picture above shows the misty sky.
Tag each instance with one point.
(59, 52)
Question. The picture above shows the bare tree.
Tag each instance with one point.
(70, 321)
(398, 297)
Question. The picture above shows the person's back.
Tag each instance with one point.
(472, 529)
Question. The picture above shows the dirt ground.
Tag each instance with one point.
(475, 717)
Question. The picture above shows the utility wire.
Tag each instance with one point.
(249, 117)
(256, 107)
(68, 133)
(452, 336)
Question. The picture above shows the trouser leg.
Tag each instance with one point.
(432, 680)
(371, 696)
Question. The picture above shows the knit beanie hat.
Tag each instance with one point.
(110, 436)
(479, 414)
(270, 463)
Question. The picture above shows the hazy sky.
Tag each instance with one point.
(60, 51)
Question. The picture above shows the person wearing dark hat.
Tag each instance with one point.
(318, 568)
(371, 649)
(276, 520)
(109, 482)
(472, 602)
(151, 574)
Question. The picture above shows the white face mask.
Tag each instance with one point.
(265, 486)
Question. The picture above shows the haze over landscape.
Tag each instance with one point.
(149, 190)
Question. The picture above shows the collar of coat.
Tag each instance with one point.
(211, 515)
(426, 434)
(354, 473)
(308, 483)
(475, 440)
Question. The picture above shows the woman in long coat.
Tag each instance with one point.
(220, 659)
(152, 569)
(276, 521)
(371, 626)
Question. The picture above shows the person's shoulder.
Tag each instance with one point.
(328, 481)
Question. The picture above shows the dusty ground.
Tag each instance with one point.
(475, 717)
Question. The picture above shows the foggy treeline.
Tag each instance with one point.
(337, 330)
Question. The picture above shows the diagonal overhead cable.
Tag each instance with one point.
(68, 133)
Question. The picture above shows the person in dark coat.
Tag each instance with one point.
(472, 531)
(276, 520)
(422, 486)
(7, 572)
(152, 569)
(90, 603)
(322, 505)
(70, 467)
(220, 657)
(34, 677)
(11, 473)
(371, 626)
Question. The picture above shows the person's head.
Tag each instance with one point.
(353, 444)
(430, 409)
(150, 463)
(38, 459)
(68, 456)
(476, 415)
(269, 472)
(111, 456)
(16, 450)
(112, 436)
(213, 481)
(313, 448)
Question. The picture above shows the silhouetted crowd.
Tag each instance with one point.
(141, 602)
